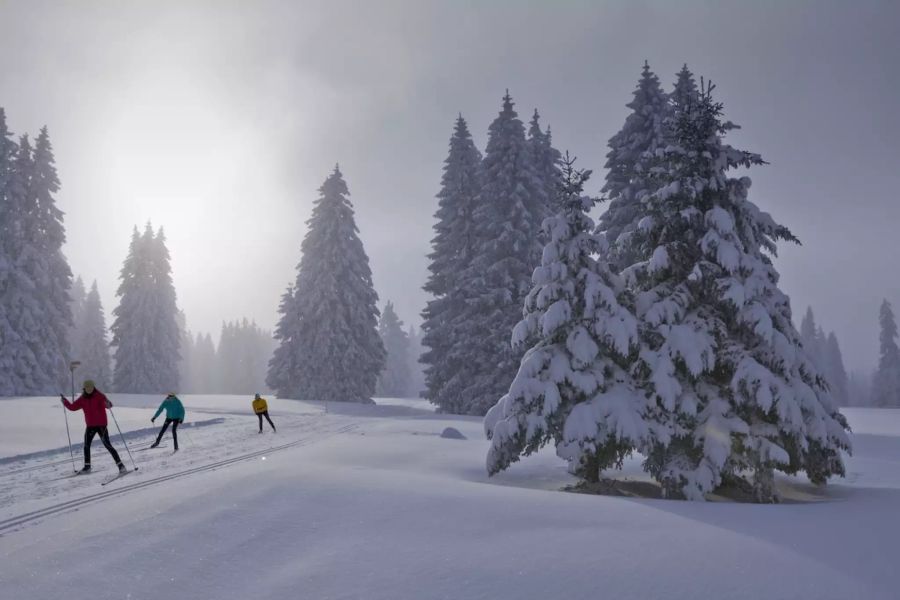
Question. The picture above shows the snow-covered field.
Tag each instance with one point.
(370, 502)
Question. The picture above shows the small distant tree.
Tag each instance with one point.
(92, 343)
(835, 371)
(394, 380)
(886, 382)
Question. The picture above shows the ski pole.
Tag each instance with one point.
(72, 366)
(123, 438)
(69, 437)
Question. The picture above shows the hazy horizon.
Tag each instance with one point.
(219, 121)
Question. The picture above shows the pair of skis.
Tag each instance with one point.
(105, 482)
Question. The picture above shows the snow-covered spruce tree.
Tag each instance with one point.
(737, 397)
(393, 382)
(145, 330)
(54, 283)
(633, 154)
(92, 344)
(35, 293)
(447, 364)
(329, 344)
(573, 387)
(886, 382)
(167, 350)
(284, 364)
(547, 161)
(10, 340)
(506, 235)
(127, 337)
(835, 371)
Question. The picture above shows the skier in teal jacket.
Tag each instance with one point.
(174, 415)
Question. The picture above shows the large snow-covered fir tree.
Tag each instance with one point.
(573, 387)
(9, 338)
(91, 346)
(634, 151)
(394, 379)
(447, 363)
(54, 283)
(737, 397)
(20, 301)
(35, 278)
(146, 335)
(886, 382)
(329, 344)
(511, 206)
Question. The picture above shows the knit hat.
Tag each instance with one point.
(88, 385)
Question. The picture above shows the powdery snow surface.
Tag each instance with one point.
(370, 502)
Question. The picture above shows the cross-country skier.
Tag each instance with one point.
(94, 404)
(174, 415)
(261, 408)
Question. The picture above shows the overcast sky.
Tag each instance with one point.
(220, 120)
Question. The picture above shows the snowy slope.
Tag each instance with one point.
(372, 503)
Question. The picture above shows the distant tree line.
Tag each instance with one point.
(237, 366)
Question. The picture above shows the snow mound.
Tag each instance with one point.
(452, 433)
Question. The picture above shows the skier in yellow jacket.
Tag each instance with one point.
(261, 408)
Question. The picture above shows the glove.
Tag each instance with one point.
(108, 403)
(153, 420)
(62, 399)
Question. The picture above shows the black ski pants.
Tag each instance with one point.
(175, 423)
(265, 414)
(89, 434)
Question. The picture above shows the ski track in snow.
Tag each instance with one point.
(40, 480)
